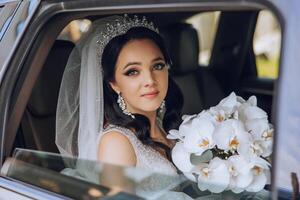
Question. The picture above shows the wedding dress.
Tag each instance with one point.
(147, 157)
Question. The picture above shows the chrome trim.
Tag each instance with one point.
(29, 191)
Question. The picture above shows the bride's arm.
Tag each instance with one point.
(115, 148)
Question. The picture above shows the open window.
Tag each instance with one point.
(219, 39)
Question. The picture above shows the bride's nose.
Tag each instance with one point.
(149, 79)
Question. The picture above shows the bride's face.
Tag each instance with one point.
(141, 75)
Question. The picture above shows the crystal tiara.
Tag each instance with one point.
(121, 26)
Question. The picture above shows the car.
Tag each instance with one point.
(216, 49)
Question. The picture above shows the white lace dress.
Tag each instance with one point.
(147, 157)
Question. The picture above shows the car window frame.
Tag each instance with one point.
(10, 42)
(13, 93)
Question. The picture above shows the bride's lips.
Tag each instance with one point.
(150, 95)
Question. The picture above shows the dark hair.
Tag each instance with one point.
(113, 113)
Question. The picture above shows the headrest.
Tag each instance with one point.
(183, 45)
(43, 99)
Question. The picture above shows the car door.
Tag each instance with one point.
(14, 18)
(41, 37)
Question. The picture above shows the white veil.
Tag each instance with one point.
(78, 127)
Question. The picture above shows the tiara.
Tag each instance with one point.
(121, 26)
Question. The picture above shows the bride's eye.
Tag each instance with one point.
(131, 72)
(159, 66)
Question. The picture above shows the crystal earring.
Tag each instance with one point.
(162, 106)
(122, 105)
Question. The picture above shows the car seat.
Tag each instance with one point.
(198, 85)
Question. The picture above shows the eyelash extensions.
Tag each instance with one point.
(156, 66)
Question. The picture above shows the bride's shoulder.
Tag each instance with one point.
(115, 148)
(122, 130)
(115, 139)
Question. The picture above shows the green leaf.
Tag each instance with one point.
(205, 157)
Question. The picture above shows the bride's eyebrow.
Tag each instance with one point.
(131, 63)
(138, 63)
(158, 59)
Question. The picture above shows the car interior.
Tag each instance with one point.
(231, 68)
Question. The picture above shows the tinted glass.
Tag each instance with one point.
(85, 179)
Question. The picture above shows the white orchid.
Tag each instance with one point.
(182, 158)
(214, 176)
(229, 104)
(198, 135)
(240, 171)
(257, 148)
(262, 133)
(231, 136)
(218, 115)
(260, 171)
(257, 127)
(249, 111)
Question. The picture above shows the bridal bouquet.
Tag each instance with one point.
(225, 147)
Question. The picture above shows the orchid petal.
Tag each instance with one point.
(253, 112)
(258, 183)
(198, 137)
(181, 158)
(252, 100)
(240, 171)
(223, 134)
(174, 134)
(217, 177)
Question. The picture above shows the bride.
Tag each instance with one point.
(117, 101)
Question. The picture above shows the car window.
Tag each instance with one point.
(84, 179)
(206, 25)
(266, 45)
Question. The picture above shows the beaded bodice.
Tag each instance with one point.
(147, 157)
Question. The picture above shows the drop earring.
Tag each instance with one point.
(122, 105)
(162, 106)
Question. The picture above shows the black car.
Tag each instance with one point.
(217, 46)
